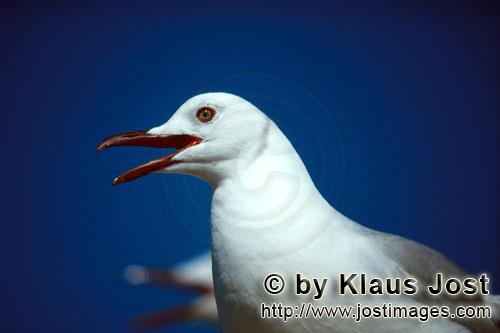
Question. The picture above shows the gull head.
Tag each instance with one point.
(211, 133)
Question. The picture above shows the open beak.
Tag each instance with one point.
(145, 139)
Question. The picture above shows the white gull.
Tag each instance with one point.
(268, 217)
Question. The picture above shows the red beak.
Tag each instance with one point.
(144, 139)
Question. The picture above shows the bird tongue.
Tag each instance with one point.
(144, 139)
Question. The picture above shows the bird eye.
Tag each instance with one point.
(205, 114)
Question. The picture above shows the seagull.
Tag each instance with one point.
(267, 217)
(194, 275)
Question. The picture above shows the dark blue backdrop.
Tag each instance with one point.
(395, 110)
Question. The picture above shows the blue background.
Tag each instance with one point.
(394, 109)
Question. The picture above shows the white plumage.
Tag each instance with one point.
(267, 216)
(194, 275)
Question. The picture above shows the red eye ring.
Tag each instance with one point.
(205, 114)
